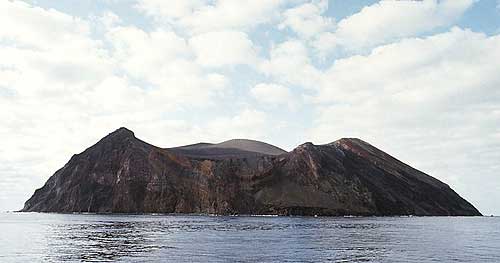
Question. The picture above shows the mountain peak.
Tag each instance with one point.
(353, 143)
(118, 137)
(123, 130)
(305, 145)
(351, 140)
(122, 133)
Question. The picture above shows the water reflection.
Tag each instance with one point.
(100, 240)
(224, 238)
(128, 238)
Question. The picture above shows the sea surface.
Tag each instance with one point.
(35, 237)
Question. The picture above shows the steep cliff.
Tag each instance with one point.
(122, 174)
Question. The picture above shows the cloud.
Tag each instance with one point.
(204, 16)
(290, 63)
(307, 20)
(216, 49)
(388, 21)
(172, 9)
(247, 124)
(421, 65)
(36, 44)
(165, 61)
(273, 95)
(141, 53)
(54, 29)
(422, 99)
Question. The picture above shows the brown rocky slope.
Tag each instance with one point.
(122, 174)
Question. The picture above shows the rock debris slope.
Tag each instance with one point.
(122, 174)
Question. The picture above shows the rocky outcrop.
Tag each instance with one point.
(122, 174)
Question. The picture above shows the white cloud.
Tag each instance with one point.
(387, 21)
(169, 9)
(109, 19)
(54, 29)
(36, 43)
(273, 95)
(223, 48)
(290, 63)
(141, 53)
(204, 16)
(416, 67)
(247, 124)
(166, 61)
(422, 99)
(307, 20)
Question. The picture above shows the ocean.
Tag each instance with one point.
(38, 237)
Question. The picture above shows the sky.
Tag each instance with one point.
(417, 79)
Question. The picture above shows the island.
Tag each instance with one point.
(348, 177)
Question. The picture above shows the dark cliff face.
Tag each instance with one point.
(123, 174)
